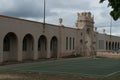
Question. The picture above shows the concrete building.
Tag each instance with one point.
(29, 40)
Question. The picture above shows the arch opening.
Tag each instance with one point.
(10, 50)
(109, 45)
(42, 47)
(113, 47)
(106, 45)
(54, 47)
(28, 47)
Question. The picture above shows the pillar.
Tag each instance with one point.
(1, 51)
(48, 48)
(35, 46)
(59, 42)
(20, 51)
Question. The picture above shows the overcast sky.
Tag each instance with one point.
(66, 9)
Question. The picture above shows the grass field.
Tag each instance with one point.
(90, 67)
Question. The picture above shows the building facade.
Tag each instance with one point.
(107, 42)
(22, 40)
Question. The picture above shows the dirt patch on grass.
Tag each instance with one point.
(41, 77)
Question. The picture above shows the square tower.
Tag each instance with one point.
(85, 19)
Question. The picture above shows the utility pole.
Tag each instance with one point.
(44, 16)
(110, 27)
(111, 34)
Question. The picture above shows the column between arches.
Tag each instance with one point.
(20, 51)
(35, 53)
(48, 48)
(1, 51)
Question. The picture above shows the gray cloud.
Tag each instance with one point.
(67, 9)
(30, 8)
(27, 8)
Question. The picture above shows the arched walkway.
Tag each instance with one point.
(110, 46)
(113, 46)
(54, 47)
(42, 47)
(106, 45)
(10, 50)
(118, 45)
(28, 48)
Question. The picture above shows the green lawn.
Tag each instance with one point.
(93, 67)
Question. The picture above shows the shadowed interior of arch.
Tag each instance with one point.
(28, 47)
(42, 47)
(54, 47)
(10, 47)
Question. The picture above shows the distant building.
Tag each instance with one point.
(28, 40)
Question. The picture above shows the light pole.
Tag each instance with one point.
(44, 16)
(111, 34)
(110, 27)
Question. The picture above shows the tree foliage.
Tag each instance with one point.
(115, 5)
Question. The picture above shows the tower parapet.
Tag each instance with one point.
(85, 19)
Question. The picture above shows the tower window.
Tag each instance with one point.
(81, 41)
(81, 33)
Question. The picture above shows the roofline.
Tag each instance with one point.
(108, 35)
(26, 20)
(33, 21)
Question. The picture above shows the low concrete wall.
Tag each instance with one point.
(108, 54)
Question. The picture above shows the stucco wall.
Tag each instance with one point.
(108, 55)
(83, 39)
(21, 28)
